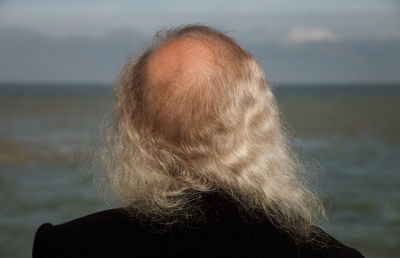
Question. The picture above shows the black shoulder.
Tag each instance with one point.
(42, 246)
(324, 245)
(102, 217)
(87, 236)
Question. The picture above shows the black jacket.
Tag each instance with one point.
(225, 232)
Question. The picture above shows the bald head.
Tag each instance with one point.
(190, 57)
(179, 62)
(187, 80)
(181, 81)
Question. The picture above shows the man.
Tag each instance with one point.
(198, 158)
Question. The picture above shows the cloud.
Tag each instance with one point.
(309, 35)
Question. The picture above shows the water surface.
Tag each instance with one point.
(350, 133)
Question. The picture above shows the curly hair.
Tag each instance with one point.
(220, 132)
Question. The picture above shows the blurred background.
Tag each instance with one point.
(333, 65)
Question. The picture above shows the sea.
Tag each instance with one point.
(347, 134)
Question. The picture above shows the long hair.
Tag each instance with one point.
(227, 137)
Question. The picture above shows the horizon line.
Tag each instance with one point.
(272, 83)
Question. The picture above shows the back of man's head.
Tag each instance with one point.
(195, 114)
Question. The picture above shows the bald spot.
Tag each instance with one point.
(180, 93)
(180, 64)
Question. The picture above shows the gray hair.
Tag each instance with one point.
(228, 138)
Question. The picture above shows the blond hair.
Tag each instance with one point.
(227, 137)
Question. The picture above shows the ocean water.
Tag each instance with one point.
(350, 134)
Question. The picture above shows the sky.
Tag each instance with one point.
(296, 41)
